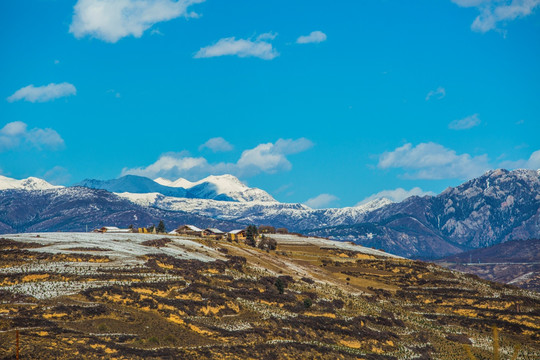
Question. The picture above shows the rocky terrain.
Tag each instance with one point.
(496, 207)
(78, 209)
(143, 296)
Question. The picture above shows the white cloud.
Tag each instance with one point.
(268, 158)
(43, 93)
(259, 48)
(15, 134)
(439, 93)
(313, 37)
(321, 201)
(111, 20)
(533, 162)
(433, 161)
(466, 123)
(217, 144)
(493, 12)
(396, 195)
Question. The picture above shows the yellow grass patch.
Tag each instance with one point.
(355, 344)
(35, 277)
(199, 330)
(54, 315)
(176, 319)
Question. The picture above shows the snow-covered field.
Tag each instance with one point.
(124, 251)
(293, 239)
(120, 248)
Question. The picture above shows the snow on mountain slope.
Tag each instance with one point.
(227, 185)
(292, 216)
(30, 183)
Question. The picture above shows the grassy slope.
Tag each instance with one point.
(161, 306)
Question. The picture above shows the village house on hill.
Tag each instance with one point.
(213, 233)
(236, 235)
(187, 230)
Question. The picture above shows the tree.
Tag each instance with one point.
(280, 285)
(251, 235)
(267, 229)
(267, 243)
(161, 227)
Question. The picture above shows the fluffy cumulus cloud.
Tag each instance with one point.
(396, 195)
(313, 37)
(112, 20)
(264, 158)
(321, 201)
(259, 47)
(43, 93)
(16, 134)
(465, 123)
(438, 94)
(217, 144)
(533, 162)
(433, 161)
(494, 12)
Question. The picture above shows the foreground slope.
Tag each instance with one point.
(138, 296)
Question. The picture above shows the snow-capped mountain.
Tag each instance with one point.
(227, 185)
(292, 216)
(496, 207)
(30, 183)
(224, 188)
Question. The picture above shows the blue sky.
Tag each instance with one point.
(330, 102)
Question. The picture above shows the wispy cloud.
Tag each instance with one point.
(533, 162)
(259, 47)
(58, 175)
(438, 94)
(495, 12)
(43, 93)
(396, 195)
(264, 158)
(313, 37)
(112, 20)
(321, 201)
(433, 161)
(465, 123)
(16, 134)
(217, 144)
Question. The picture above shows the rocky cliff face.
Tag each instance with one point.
(496, 207)
(72, 209)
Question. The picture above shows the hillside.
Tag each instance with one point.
(139, 296)
(222, 188)
(513, 262)
(496, 207)
(75, 208)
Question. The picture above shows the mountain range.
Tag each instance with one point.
(496, 207)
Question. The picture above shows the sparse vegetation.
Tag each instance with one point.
(249, 303)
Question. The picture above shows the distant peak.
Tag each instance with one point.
(30, 183)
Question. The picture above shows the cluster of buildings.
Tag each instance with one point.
(212, 233)
(192, 230)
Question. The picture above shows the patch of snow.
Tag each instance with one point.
(30, 183)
